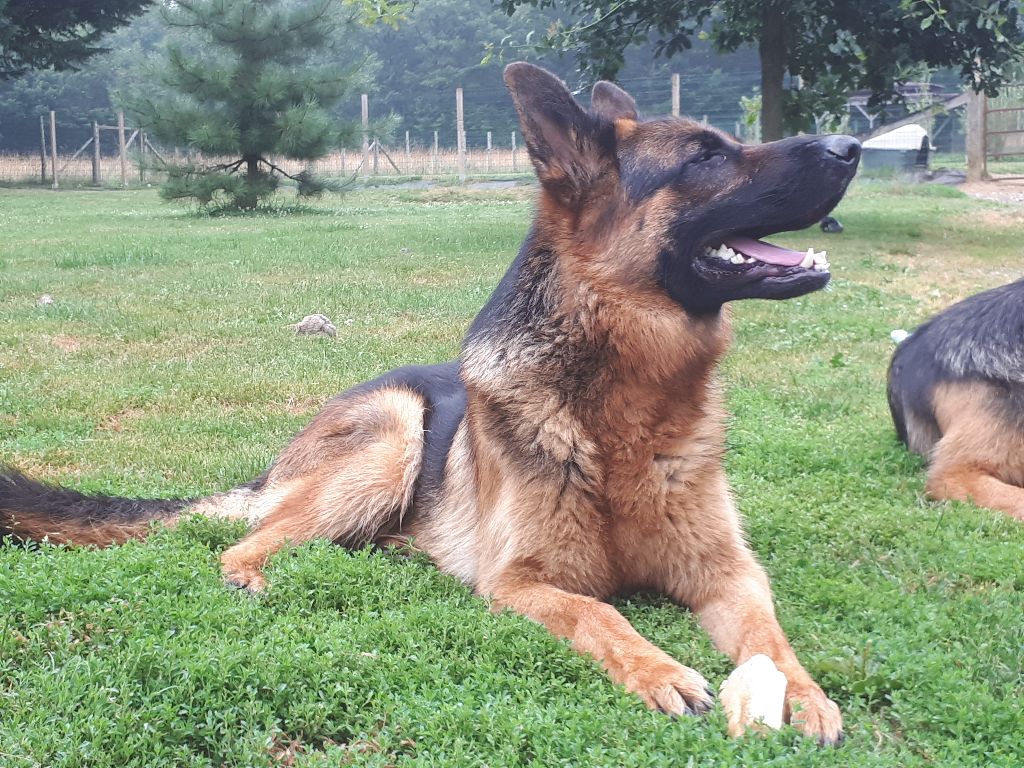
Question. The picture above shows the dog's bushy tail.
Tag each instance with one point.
(31, 510)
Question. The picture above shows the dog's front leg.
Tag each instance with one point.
(737, 612)
(596, 628)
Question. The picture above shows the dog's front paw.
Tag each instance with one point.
(668, 686)
(249, 579)
(812, 713)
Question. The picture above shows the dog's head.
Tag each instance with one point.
(673, 202)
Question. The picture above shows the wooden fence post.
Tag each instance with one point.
(513, 151)
(675, 94)
(408, 152)
(488, 151)
(53, 148)
(460, 136)
(122, 151)
(42, 149)
(976, 161)
(96, 172)
(376, 155)
(364, 100)
(142, 156)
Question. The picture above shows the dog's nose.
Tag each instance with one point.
(844, 148)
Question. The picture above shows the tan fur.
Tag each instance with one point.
(81, 533)
(980, 458)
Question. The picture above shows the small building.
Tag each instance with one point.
(902, 148)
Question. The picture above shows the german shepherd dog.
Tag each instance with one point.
(573, 451)
(956, 392)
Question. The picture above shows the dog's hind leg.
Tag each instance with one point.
(345, 480)
(975, 484)
(980, 457)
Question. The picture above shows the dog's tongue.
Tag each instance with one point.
(766, 252)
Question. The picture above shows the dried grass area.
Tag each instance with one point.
(390, 162)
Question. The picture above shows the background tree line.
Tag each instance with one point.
(411, 71)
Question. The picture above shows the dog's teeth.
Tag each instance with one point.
(737, 259)
(808, 259)
(821, 267)
(748, 260)
(819, 258)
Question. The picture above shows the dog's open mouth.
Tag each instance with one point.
(736, 266)
(744, 253)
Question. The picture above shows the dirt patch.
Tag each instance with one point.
(997, 217)
(67, 343)
(57, 467)
(302, 406)
(515, 193)
(116, 422)
(1009, 191)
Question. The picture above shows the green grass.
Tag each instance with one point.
(165, 367)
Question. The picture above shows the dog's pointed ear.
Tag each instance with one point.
(568, 146)
(612, 103)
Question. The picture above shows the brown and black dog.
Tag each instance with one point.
(573, 451)
(956, 393)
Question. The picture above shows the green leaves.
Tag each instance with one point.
(834, 47)
(59, 34)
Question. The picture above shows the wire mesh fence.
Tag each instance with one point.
(424, 145)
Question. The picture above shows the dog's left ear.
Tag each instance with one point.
(613, 103)
(568, 146)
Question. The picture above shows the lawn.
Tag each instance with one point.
(165, 367)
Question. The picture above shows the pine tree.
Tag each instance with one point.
(246, 81)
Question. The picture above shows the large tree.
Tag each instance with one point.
(833, 46)
(248, 83)
(57, 34)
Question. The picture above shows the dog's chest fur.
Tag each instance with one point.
(613, 414)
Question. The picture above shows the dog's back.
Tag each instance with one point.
(956, 393)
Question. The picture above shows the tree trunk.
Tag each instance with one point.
(772, 49)
(249, 199)
(252, 167)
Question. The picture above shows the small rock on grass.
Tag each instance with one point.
(44, 301)
(314, 325)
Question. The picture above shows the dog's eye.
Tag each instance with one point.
(712, 157)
